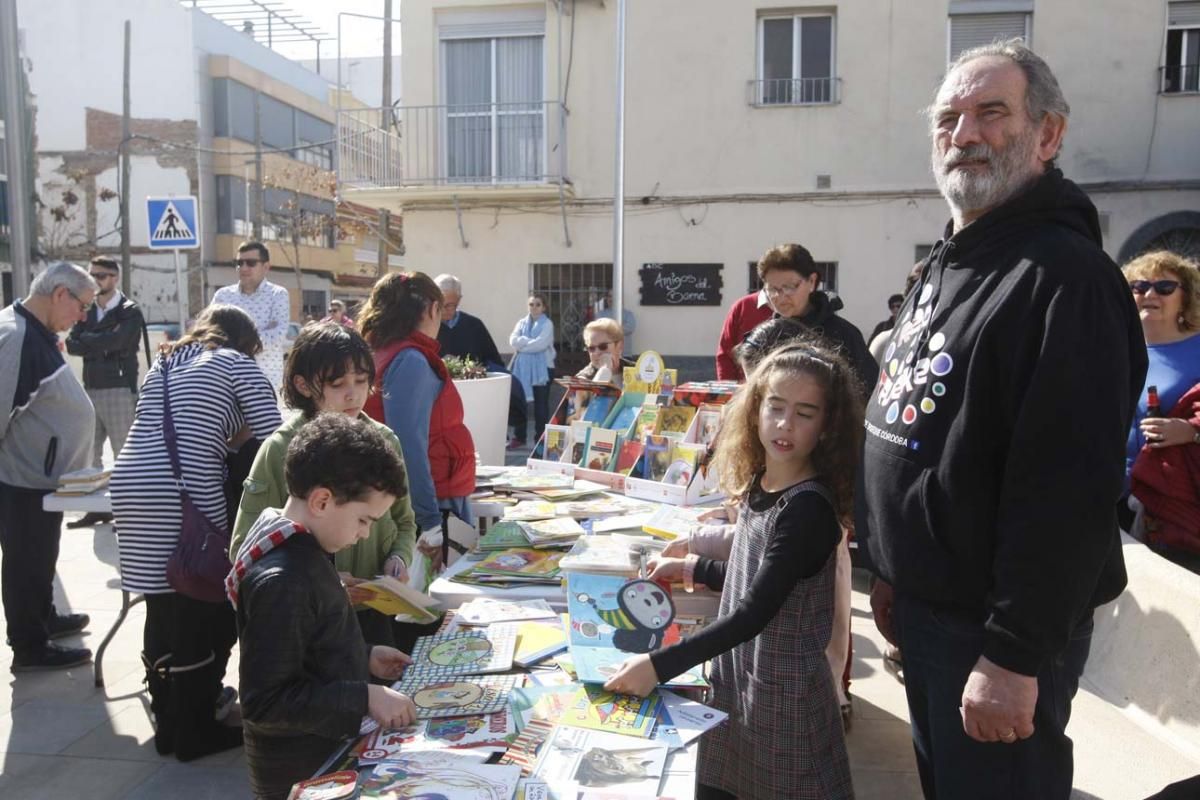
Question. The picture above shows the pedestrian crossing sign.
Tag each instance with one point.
(173, 223)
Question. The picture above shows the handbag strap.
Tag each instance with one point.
(170, 436)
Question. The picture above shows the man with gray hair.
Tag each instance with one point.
(46, 428)
(464, 335)
(993, 454)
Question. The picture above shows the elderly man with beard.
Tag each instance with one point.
(993, 453)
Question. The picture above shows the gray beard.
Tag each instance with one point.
(974, 193)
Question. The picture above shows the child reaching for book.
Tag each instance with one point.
(304, 666)
(330, 369)
(787, 451)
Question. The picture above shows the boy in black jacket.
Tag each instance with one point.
(304, 664)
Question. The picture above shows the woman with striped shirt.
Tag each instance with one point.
(219, 400)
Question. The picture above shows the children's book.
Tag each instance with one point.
(629, 455)
(624, 522)
(487, 610)
(601, 448)
(521, 562)
(464, 652)
(593, 708)
(581, 488)
(709, 423)
(612, 617)
(665, 730)
(331, 786)
(557, 531)
(544, 703)
(444, 775)
(463, 696)
(480, 734)
(657, 456)
(395, 598)
(527, 510)
(684, 458)
(625, 418)
(675, 419)
(527, 480)
(601, 554)
(576, 759)
(579, 435)
(537, 641)
(671, 522)
(526, 749)
(598, 408)
(557, 442)
(647, 419)
(532, 789)
(501, 536)
(605, 505)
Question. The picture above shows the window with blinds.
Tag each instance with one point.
(494, 116)
(1181, 68)
(976, 30)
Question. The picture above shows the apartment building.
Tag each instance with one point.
(747, 124)
(215, 114)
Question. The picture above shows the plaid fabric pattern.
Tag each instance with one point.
(784, 737)
(114, 417)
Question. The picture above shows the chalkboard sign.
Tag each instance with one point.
(681, 284)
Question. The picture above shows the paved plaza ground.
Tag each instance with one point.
(63, 738)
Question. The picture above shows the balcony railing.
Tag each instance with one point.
(483, 144)
(794, 91)
(1179, 78)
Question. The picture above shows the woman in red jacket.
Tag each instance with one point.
(415, 397)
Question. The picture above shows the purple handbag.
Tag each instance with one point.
(200, 563)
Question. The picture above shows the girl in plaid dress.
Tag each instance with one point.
(787, 452)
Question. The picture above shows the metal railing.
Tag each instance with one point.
(451, 145)
(1179, 78)
(794, 91)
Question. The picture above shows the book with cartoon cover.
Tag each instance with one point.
(520, 562)
(489, 610)
(579, 435)
(557, 441)
(647, 419)
(685, 456)
(331, 786)
(470, 652)
(395, 598)
(483, 734)
(709, 423)
(629, 455)
(457, 697)
(594, 708)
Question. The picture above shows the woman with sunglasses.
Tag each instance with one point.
(1166, 289)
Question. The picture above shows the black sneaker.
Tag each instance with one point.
(51, 656)
(68, 624)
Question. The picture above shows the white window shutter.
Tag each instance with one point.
(1184, 14)
(975, 30)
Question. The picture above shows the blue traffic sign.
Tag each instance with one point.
(174, 224)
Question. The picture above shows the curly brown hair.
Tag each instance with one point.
(1161, 264)
(221, 326)
(740, 456)
(395, 307)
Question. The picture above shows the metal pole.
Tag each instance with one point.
(386, 105)
(619, 178)
(258, 169)
(385, 226)
(126, 180)
(19, 186)
(179, 287)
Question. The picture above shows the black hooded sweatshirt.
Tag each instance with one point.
(993, 458)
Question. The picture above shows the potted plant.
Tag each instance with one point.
(485, 405)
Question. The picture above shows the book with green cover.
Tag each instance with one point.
(501, 536)
(646, 420)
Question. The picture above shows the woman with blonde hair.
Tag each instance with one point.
(1166, 288)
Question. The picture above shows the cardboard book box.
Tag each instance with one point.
(701, 485)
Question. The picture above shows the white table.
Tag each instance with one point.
(98, 502)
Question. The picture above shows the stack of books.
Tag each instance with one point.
(83, 481)
(514, 567)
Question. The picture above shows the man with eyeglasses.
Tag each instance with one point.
(994, 442)
(268, 304)
(108, 341)
(46, 428)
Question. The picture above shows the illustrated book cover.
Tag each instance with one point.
(457, 697)
(467, 652)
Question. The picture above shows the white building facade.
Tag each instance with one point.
(747, 125)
